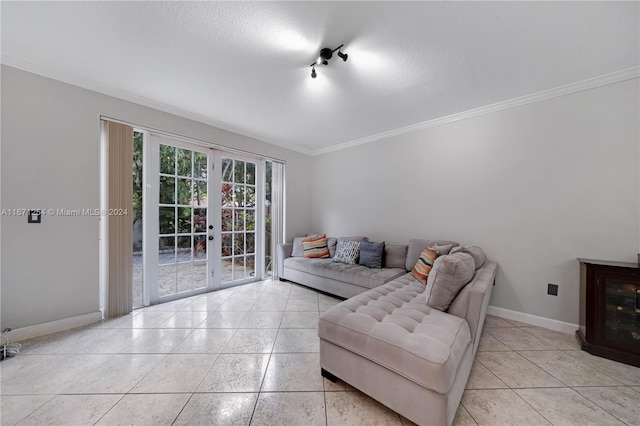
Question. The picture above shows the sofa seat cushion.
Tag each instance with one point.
(353, 274)
(392, 326)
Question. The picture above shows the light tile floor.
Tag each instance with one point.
(249, 355)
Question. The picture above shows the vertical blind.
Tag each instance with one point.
(119, 297)
(277, 212)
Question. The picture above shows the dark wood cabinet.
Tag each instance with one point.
(610, 310)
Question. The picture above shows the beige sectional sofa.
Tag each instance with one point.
(347, 280)
(390, 344)
(390, 341)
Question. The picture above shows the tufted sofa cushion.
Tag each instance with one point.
(392, 326)
(354, 274)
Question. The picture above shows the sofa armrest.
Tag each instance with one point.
(472, 302)
(283, 251)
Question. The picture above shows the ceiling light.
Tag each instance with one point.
(325, 55)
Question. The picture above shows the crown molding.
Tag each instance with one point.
(591, 83)
(139, 100)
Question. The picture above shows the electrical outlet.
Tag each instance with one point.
(552, 289)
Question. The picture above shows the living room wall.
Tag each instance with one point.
(535, 186)
(51, 159)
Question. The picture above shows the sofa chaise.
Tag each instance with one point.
(391, 343)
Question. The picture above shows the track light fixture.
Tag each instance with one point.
(325, 55)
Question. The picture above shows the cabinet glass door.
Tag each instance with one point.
(622, 312)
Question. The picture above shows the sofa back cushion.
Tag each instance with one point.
(416, 246)
(476, 252)
(448, 276)
(395, 256)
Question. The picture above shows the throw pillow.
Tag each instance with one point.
(423, 266)
(371, 254)
(442, 250)
(347, 252)
(448, 276)
(298, 250)
(395, 256)
(316, 247)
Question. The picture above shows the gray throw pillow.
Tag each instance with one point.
(332, 242)
(395, 255)
(371, 254)
(448, 276)
(347, 252)
(298, 250)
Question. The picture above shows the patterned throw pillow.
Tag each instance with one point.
(316, 247)
(424, 264)
(371, 254)
(347, 252)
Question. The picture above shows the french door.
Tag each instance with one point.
(202, 219)
(240, 219)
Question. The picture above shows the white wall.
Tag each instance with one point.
(50, 159)
(535, 186)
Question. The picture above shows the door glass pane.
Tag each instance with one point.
(239, 195)
(200, 165)
(166, 250)
(250, 197)
(227, 170)
(227, 244)
(184, 191)
(184, 249)
(167, 190)
(251, 242)
(238, 268)
(166, 279)
(167, 160)
(184, 157)
(199, 220)
(200, 247)
(251, 220)
(167, 216)
(239, 221)
(239, 172)
(227, 220)
(250, 268)
(199, 197)
(199, 274)
(184, 220)
(251, 174)
(185, 277)
(238, 243)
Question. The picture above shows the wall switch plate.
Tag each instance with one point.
(552, 289)
(34, 216)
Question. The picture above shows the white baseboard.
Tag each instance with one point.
(563, 327)
(52, 326)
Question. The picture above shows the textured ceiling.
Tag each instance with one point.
(244, 66)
